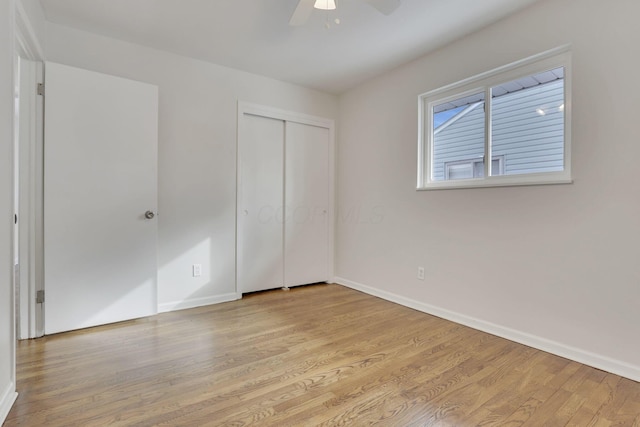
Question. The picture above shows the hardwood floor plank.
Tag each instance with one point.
(522, 414)
(316, 355)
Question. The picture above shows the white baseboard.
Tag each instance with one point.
(197, 302)
(579, 355)
(6, 401)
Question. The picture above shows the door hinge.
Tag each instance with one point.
(39, 297)
(40, 89)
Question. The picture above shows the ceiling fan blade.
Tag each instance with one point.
(386, 7)
(302, 13)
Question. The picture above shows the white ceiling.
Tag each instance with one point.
(254, 35)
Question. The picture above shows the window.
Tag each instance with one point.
(471, 168)
(518, 116)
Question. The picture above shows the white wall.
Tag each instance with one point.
(197, 149)
(553, 266)
(37, 22)
(7, 346)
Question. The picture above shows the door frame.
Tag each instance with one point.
(285, 116)
(28, 184)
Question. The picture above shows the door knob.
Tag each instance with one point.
(149, 214)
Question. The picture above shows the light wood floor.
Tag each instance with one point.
(317, 355)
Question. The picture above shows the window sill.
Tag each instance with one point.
(497, 181)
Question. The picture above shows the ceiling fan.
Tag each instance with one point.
(305, 7)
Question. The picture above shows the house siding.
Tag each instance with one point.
(527, 141)
(461, 140)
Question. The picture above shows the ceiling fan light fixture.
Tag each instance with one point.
(325, 4)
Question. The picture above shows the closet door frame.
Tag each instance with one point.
(245, 108)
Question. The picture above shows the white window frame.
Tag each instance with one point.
(559, 57)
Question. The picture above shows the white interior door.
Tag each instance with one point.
(260, 203)
(100, 179)
(306, 227)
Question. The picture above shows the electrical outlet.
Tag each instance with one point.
(197, 270)
(421, 273)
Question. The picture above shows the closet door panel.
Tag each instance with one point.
(260, 207)
(306, 229)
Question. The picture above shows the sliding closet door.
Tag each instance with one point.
(260, 203)
(306, 226)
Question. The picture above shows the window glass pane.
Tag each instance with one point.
(459, 170)
(527, 124)
(458, 137)
(478, 169)
(471, 168)
(496, 165)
